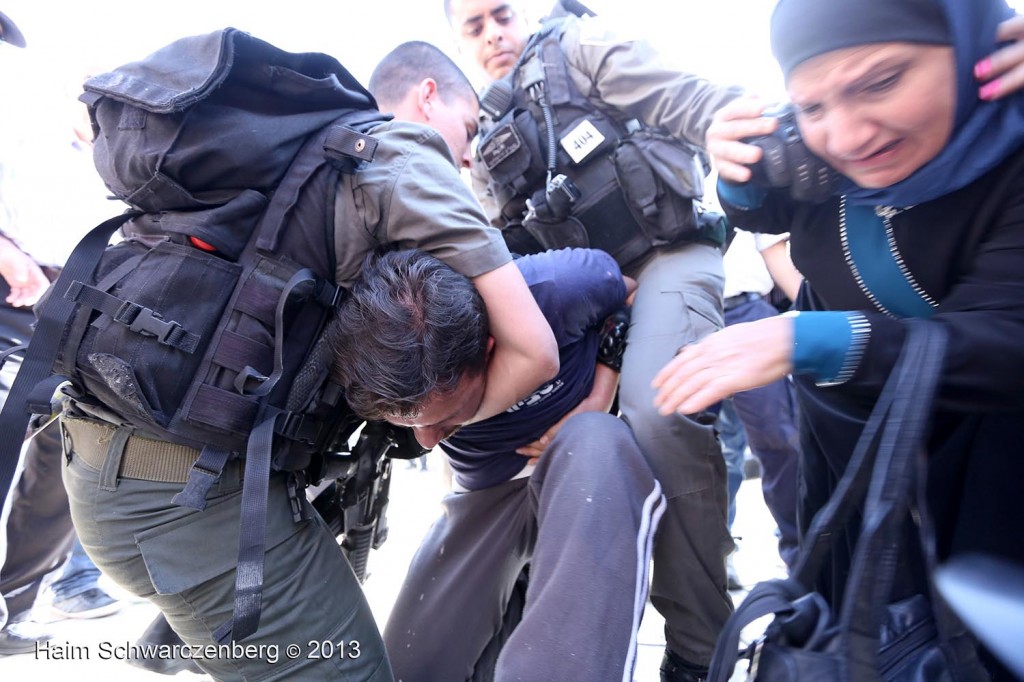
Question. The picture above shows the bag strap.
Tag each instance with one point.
(768, 597)
(886, 509)
(846, 499)
(899, 491)
(958, 643)
(343, 144)
(245, 618)
(776, 596)
(37, 364)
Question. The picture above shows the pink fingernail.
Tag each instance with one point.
(983, 68)
(989, 91)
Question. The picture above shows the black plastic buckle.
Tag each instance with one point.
(302, 428)
(296, 490)
(150, 323)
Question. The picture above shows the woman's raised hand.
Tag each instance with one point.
(736, 121)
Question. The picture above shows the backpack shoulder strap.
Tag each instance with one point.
(42, 350)
(343, 145)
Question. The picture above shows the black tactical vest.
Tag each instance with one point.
(569, 174)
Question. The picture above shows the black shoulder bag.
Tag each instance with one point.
(870, 637)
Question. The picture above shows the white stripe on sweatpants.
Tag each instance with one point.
(654, 507)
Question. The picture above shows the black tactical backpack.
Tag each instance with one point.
(202, 327)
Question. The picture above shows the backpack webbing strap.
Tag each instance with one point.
(772, 596)
(39, 357)
(306, 163)
(65, 362)
(251, 536)
(342, 146)
(249, 381)
(204, 473)
(136, 317)
(11, 351)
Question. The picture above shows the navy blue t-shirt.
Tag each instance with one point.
(576, 289)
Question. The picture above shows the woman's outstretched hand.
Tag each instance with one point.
(737, 358)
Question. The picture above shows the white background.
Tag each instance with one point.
(725, 41)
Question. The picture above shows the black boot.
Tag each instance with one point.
(675, 669)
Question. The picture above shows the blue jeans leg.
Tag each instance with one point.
(79, 574)
(734, 444)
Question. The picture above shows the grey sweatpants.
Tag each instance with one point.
(584, 520)
(678, 301)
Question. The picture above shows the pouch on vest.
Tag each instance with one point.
(510, 154)
(662, 182)
(599, 218)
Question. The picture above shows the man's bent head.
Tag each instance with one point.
(410, 345)
(418, 82)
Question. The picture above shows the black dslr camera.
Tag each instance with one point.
(787, 163)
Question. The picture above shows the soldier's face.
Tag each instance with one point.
(457, 123)
(491, 32)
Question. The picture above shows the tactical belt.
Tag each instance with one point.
(143, 458)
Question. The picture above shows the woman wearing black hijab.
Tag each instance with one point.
(927, 221)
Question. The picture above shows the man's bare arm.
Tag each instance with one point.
(525, 352)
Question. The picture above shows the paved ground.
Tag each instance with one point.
(414, 505)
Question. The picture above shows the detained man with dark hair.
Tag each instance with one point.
(411, 345)
(595, 86)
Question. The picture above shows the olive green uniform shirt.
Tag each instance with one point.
(412, 196)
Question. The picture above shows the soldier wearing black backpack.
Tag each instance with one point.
(198, 406)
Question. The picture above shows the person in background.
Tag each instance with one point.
(764, 417)
(36, 235)
(926, 223)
